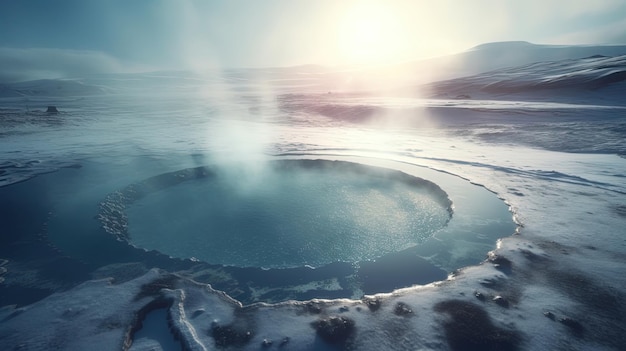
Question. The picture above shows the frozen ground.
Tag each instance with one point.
(555, 158)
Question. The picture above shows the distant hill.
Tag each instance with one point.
(493, 56)
(487, 57)
(50, 87)
(513, 67)
(479, 59)
(601, 75)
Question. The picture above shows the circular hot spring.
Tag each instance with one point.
(289, 213)
(303, 229)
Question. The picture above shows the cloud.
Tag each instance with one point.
(39, 63)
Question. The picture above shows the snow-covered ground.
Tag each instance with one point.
(555, 156)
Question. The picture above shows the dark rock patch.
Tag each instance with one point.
(373, 304)
(501, 301)
(230, 336)
(153, 288)
(574, 326)
(549, 315)
(197, 313)
(470, 328)
(531, 256)
(554, 247)
(596, 56)
(501, 263)
(402, 309)
(334, 330)
(284, 341)
(313, 308)
(496, 283)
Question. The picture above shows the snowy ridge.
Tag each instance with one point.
(592, 73)
(483, 58)
(500, 55)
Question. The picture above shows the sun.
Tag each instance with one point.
(370, 33)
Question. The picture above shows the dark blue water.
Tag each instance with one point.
(290, 214)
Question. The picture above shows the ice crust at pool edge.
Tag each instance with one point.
(376, 276)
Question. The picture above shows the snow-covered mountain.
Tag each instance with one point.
(522, 62)
(594, 75)
(492, 56)
(479, 59)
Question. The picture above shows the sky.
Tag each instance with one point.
(75, 37)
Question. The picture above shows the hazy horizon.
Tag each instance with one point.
(69, 38)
